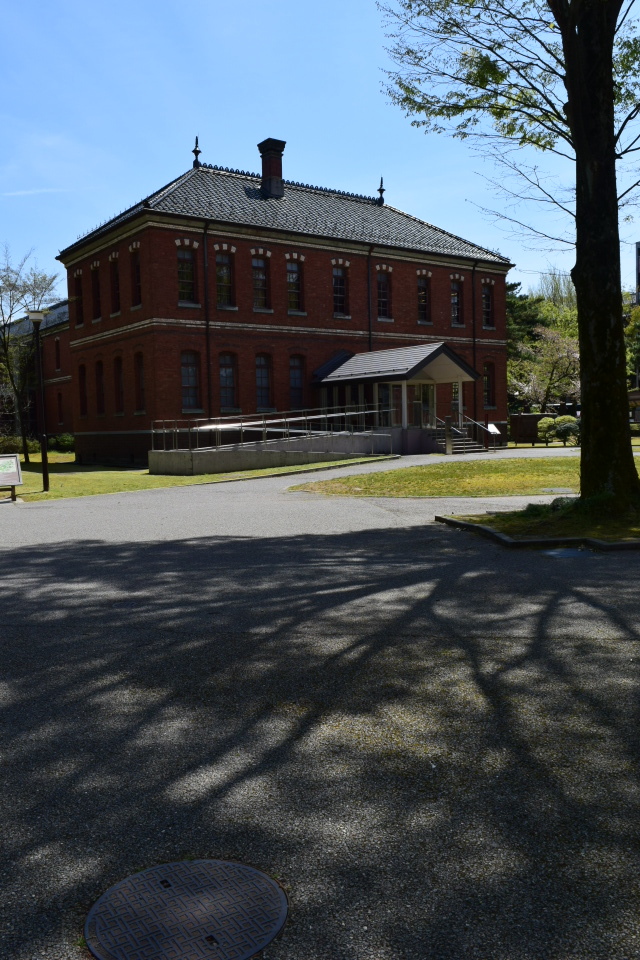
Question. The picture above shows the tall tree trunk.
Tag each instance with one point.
(607, 464)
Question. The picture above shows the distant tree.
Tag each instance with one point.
(547, 371)
(22, 288)
(560, 76)
(632, 341)
(525, 313)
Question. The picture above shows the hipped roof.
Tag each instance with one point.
(235, 197)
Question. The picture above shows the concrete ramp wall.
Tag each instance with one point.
(276, 453)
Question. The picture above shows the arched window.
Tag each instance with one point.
(296, 383)
(60, 416)
(57, 349)
(228, 381)
(489, 382)
(138, 369)
(190, 376)
(263, 381)
(82, 389)
(99, 387)
(118, 386)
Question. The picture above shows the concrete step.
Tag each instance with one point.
(462, 446)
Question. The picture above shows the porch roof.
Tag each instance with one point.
(423, 363)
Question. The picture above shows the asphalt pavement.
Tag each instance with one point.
(430, 741)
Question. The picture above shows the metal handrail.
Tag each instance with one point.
(291, 425)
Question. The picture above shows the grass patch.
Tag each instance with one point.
(480, 478)
(560, 519)
(69, 479)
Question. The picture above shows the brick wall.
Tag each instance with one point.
(161, 328)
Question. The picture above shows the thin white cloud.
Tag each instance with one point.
(29, 193)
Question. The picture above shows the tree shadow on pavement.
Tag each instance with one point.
(432, 744)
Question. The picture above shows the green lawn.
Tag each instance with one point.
(542, 521)
(68, 479)
(480, 478)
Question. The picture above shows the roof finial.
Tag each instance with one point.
(196, 152)
(381, 191)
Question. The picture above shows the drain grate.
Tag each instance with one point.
(194, 910)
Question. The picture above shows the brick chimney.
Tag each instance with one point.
(271, 152)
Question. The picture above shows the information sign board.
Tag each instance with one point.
(10, 473)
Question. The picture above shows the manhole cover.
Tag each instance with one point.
(194, 910)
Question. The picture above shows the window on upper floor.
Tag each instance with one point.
(99, 387)
(263, 381)
(294, 285)
(95, 293)
(82, 389)
(228, 381)
(136, 281)
(424, 299)
(488, 319)
(114, 276)
(296, 382)
(187, 290)
(260, 276)
(118, 386)
(78, 301)
(190, 379)
(138, 373)
(457, 313)
(224, 280)
(340, 291)
(384, 294)
(57, 353)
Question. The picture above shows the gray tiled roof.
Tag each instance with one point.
(401, 363)
(234, 197)
(56, 314)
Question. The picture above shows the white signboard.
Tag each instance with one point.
(10, 473)
(493, 429)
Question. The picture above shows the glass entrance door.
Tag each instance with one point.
(421, 398)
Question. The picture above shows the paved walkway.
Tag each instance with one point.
(432, 742)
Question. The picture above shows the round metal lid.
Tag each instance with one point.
(192, 910)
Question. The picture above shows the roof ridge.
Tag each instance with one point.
(290, 183)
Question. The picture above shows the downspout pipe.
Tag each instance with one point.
(369, 292)
(207, 318)
(473, 335)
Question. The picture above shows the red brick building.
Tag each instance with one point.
(225, 291)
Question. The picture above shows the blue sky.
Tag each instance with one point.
(103, 101)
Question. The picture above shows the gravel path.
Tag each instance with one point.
(431, 742)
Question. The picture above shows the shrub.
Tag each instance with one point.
(12, 444)
(546, 429)
(567, 427)
(64, 442)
